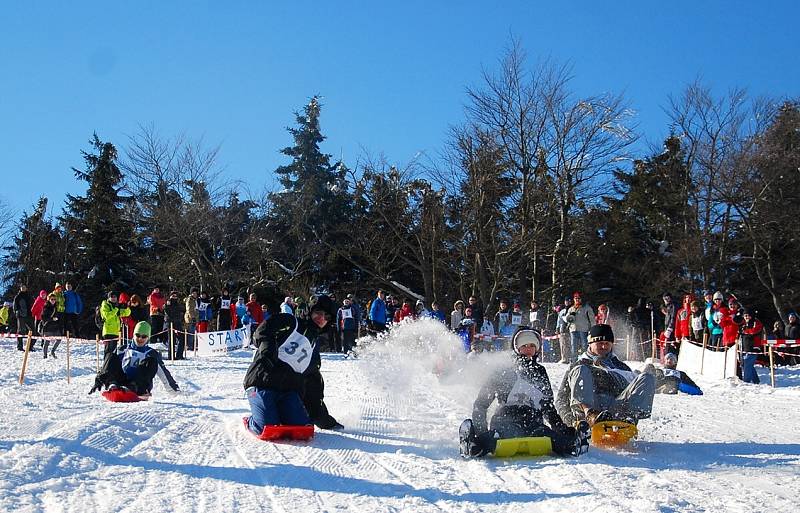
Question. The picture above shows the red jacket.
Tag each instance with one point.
(38, 305)
(255, 311)
(683, 323)
(755, 330)
(402, 313)
(730, 327)
(156, 302)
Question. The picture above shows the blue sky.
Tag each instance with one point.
(393, 75)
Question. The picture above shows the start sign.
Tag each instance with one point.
(220, 342)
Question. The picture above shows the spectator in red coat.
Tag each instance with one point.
(254, 308)
(730, 321)
(404, 311)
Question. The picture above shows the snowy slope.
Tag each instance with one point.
(737, 448)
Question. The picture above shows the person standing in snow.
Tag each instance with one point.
(377, 314)
(111, 312)
(134, 366)
(286, 306)
(205, 313)
(225, 310)
(157, 301)
(580, 317)
(347, 321)
(437, 313)
(457, 315)
(73, 307)
(525, 398)
(22, 311)
(284, 384)
(52, 324)
(600, 387)
(173, 319)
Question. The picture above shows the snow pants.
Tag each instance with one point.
(636, 400)
(511, 422)
(272, 407)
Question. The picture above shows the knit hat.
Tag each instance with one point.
(142, 328)
(526, 336)
(324, 303)
(718, 295)
(601, 333)
(670, 357)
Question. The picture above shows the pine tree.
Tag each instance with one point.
(312, 206)
(36, 257)
(102, 234)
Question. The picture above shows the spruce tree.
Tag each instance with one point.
(102, 234)
(35, 257)
(306, 215)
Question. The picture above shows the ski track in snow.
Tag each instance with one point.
(736, 449)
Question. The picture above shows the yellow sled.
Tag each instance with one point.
(613, 433)
(526, 446)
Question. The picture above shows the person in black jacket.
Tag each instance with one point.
(525, 399)
(52, 324)
(284, 384)
(22, 311)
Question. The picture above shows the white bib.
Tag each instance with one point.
(672, 373)
(516, 319)
(296, 351)
(524, 393)
(347, 313)
(225, 304)
(629, 376)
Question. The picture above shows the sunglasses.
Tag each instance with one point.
(141, 336)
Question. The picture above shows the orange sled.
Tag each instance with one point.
(613, 433)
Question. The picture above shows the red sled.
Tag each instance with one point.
(282, 431)
(123, 396)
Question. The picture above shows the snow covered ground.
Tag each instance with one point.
(736, 449)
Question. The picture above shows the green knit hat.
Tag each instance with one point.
(142, 328)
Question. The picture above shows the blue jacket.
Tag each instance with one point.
(72, 302)
(438, 315)
(377, 312)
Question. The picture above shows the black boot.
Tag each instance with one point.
(44, 347)
(55, 346)
(583, 434)
(468, 445)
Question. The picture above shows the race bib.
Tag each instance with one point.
(672, 373)
(202, 307)
(296, 351)
(225, 304)
(524, 393)
(516, 319)
(347, 313)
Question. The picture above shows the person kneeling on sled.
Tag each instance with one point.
(670, 380)
(284, 384)
(134, 367)
(599, 387)
(522, 389)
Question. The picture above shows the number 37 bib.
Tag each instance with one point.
(296, 351)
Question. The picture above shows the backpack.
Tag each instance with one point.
(98, 319)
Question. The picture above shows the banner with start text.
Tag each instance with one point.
(215, 343)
